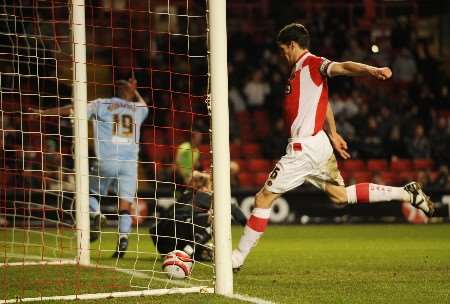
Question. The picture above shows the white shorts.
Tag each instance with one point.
(307, 159)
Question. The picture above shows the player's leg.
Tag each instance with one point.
(126, 185)
(125, 224)
(255, 227)
(364, 193)
(289, 173)
(329, 179)
(98, 186)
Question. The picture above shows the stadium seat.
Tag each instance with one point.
(362, 176)
(205, 164)
(377, 165)
(160, 135)
(242, 164)
(260, 179)
(246, 179)
(346, 176)
(407, 176)
(247, 133)
(243, 118)
(423, 164)
(259, 165)
(251, 151)
(261, 117)
(401, 165)
(204, 149)
(352, 165)
(235, 151)
(164, 154)
(180, 136)
(433, 176)
(262, 130)
(390, 178)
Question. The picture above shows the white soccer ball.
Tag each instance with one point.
(177, 264)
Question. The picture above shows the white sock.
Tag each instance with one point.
(373, 193)
(255, 227)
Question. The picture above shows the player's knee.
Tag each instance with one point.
(262, 200)
(337, 195)
(338, 199)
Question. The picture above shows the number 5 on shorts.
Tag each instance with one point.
(274, 173)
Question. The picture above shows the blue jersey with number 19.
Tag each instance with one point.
(117, 124)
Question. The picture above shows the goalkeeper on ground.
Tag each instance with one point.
(188, 222)
(117, 123)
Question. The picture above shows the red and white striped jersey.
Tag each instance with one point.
(306, 100)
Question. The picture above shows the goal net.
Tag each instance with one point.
(160, 50)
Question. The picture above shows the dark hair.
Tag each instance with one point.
(121, 87)
(294, 32)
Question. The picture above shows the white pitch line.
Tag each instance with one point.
(119, 294)
(249, 299)
(59, 261)
(139, 274)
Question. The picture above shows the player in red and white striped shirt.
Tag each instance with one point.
(309, 153)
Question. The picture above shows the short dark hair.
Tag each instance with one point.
(122, 87)
(294, 32)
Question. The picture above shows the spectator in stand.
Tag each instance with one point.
(385, 121)
(404, 68)
(419, 146)
(355, 52)
(424, 178)
(337, 103)
(234, 175)
(348, 131)
(378, 179)
(401, 33)
(440, 141)
(447, 184)
(236, 100)
(372, 141)
(395, 145)
(256, 91)
(442, 178)
(359, 121)
(426, 62)
(275, 145)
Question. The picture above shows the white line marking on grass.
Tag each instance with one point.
(249, 299)
(138, 274)
(121, 294)
(60, 261)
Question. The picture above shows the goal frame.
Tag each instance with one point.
(218, 98)
(217, 47)
(220, 146)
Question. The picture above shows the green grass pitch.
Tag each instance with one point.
(291, 264)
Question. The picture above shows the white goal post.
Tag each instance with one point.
(220, 145)
(67, 243)
(81, 156)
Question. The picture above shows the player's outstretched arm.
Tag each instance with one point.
(63, 111)
(350, 68)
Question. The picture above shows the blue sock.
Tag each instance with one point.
(94, 206)
(124, 222)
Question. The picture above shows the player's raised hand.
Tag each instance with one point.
(34, 110)
(381, 73)
(132, 84)
(340, 145)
